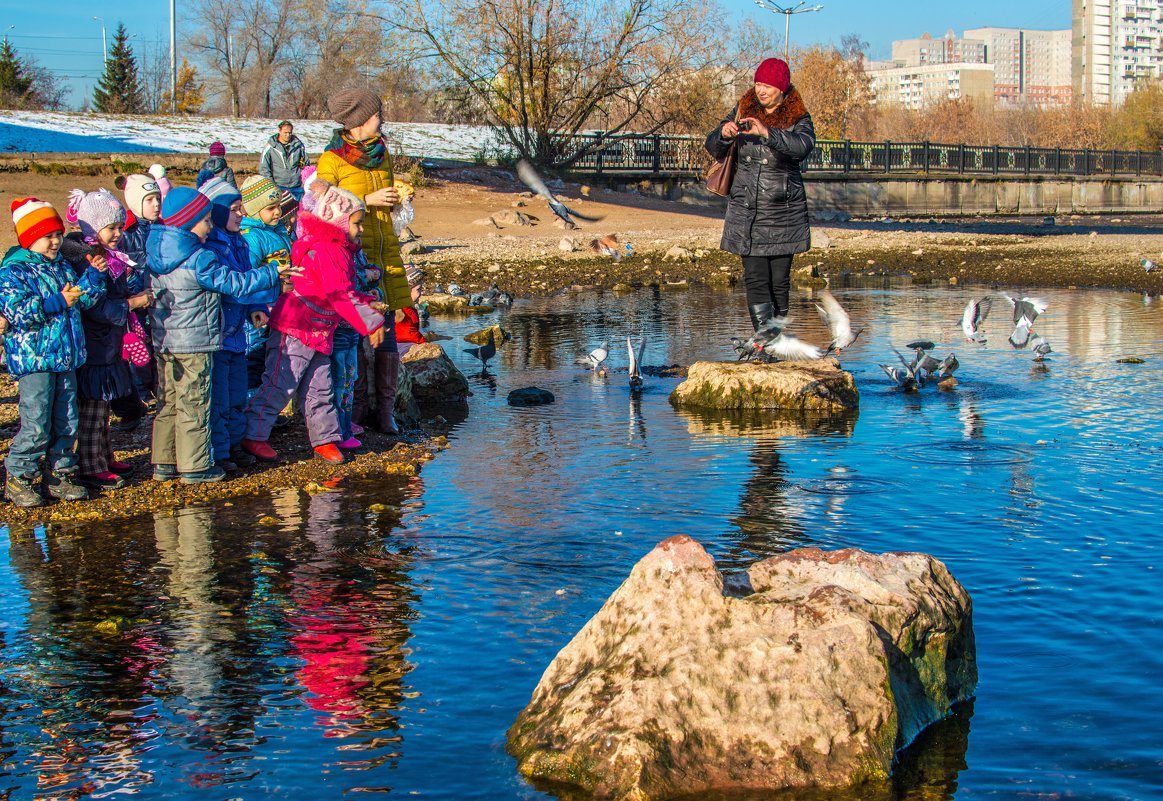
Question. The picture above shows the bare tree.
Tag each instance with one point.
(544, 69)
(226, 49)
(154, 71)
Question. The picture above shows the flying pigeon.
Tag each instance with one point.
(838, 322)
(1026, 309)
(533, 181)
(1151, 266)
(785, 347)
(485, 351)
(596, 356)
(755, 344)
(1042, 349)
(974, 315)
(921, 345)
(903, 377)
(635, 363)
(928, 363)
(1021, 335)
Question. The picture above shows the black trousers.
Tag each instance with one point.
(768, 280)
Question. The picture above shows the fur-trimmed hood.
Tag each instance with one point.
(787, 114)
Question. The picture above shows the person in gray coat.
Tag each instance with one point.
(283, 159)
(767, 210)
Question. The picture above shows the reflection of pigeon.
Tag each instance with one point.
(1042, 349)
(1151, 266)
(596, 356)
(973, 317)
(485, 351)
(838, 322)
(635, 362)
(533, 181)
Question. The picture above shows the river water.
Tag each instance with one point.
(381, 638)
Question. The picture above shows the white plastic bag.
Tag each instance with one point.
(403, 215)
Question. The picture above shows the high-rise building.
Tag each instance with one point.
(1116, 44)
(1029, 66)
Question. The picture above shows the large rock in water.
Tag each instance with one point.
(435, 379)
(818, 385)
(832, 662)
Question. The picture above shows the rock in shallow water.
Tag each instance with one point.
(434, 378)
(808, 386)
(530, 396)
(832, 662)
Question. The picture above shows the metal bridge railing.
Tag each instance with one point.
(673, 155)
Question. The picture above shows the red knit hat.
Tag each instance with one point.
(774, 72)
(217, 149)
(33, 219)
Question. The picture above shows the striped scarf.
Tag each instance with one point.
(366, 155)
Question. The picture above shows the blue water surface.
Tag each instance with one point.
(381, 638)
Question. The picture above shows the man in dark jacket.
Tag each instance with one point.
(767, 213)
(283, 158)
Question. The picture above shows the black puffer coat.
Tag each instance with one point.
(767, 213)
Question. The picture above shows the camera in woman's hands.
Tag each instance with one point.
(744, 125)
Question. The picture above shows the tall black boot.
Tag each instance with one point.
(761, 314)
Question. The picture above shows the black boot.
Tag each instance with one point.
(387, 376)
(761, 313)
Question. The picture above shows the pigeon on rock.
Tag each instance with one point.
(533, 181)
(1042, 349)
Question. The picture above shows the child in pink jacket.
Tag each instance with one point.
(303, 322)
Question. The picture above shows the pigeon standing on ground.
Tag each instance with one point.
(596, 356)
(1151, 266)
(838, 322)
(635, 362)
(1042, 349)
(972, 318)
(532, 180)
(455, 290)
(485, 351)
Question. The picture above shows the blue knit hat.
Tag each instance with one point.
(221, 195)
(184, 207)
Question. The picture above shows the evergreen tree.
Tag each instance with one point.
(15, 86)
(119, 90)
(191, 92)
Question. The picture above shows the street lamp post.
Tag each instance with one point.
(104, 47)
(173, 61)
(787, 12)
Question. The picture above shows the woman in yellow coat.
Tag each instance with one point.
(357, 160)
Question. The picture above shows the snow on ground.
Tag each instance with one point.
(78, 132)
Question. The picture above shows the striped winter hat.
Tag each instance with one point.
(222, 194)
(33, 219)
(259, 192)
(184, 207)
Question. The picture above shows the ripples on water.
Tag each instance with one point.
(200, 654)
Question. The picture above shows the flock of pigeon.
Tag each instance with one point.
(598, 355)
(493, 296)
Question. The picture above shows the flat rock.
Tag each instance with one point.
(530, 396)
(812, 672)
(819, 385)
(821, 240)
(678, 253)
(434, 378)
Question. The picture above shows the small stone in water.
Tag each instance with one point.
(559, 592)
(267, 520)
(377, 507)
(1129, 360)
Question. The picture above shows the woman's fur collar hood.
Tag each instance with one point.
(787, 114)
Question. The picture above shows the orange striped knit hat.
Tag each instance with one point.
(33, 219)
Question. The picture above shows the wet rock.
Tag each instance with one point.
(500, 336)
(828, 665)
(446, 304)
(530, 396)
(434, 378)
(818, 385)
(808, 276)
(1129, 360)
(407, 410)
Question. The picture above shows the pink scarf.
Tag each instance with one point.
(118, 261)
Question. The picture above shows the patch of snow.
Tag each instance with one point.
(79, 132)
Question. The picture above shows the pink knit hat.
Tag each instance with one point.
(217, 149)
(92, 211)
(774, 72)
(326, 201)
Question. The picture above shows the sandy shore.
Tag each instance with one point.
(527, 259)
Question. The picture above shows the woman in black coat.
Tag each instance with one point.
(767, 213)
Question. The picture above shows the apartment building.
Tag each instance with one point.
(922, 86)
(1030, 66)
(946, 50)
(1115, 44)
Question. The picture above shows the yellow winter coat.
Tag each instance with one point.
(380, 244)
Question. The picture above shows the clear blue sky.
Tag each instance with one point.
(64, 37)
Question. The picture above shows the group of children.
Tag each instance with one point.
(184, 292)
